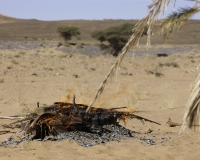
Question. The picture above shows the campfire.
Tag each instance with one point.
(73, 121)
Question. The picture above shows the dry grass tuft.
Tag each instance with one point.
(131, 103)
(25, 111)
(155, 72)
(171, 104)
(79, 46)
(169, 64)
(22, 53)
(2, 80)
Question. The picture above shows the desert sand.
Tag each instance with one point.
(154, 87)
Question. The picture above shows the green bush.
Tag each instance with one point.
(67, 32)
(116, 37)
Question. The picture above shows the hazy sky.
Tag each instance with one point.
(81, 9)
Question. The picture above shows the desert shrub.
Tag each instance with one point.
(116, 37)
(14, 62)
(59, 44)
(169, 64)
(173, 64)
(17, 56)
(62, 56)
(67, 32)
(2, 80)
(48, 68)
(149, 72)
(41, 45)
(67, 44)
(79, 46)
(25, 110)
(21, 52)
(9, 67)
(154, 72)
(158, 74)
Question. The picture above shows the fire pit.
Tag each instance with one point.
(72, 121)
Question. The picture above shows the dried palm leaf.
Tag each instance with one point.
(191, 117)
(157, 7)
(177, 19)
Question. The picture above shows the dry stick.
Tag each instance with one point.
(143, 119)
(155, 9)
(21, 120)
(4, 132)
(12, 118)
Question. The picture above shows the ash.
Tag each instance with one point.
(96, 136)
(99, 136)
(15, 139)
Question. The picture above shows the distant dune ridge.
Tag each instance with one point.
(6, 19)
(32, 29)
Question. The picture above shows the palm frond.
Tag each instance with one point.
(177, 19)
(155, 8)
(191, 117)
(197, 1)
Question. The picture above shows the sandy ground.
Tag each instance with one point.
(154, 87)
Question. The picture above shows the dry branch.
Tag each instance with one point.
(12, 118)
(4, 132)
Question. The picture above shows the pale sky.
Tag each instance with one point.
(81, 9)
